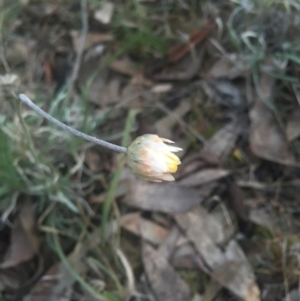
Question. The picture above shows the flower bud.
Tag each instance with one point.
(151, 159)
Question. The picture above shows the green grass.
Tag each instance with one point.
(11, 182)
(9, 12)
(31, 151)
(38, 160)
(137, 34)
(250, 37)
(109, 198)
(249, 25)
(29, 165)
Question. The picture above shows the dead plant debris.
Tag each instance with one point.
(221, 79)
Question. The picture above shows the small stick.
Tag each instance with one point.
(25, 99)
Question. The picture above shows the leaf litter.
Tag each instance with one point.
(25, 241)
(236, 187)
(154, 193)
(267, 139)
(227, 265)
(165, 282)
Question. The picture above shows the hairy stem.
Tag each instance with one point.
(25, 99)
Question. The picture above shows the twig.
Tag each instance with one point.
(69, 129)
(81, 44)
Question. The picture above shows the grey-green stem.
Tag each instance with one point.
(25, 99)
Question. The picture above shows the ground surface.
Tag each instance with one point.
(221, 79)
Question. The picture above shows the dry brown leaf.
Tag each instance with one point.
(293, 125)
(185, 69)
(8, 82)
(134, 92)
(184, 60)
(28, 222)
(261, 217)
(195, 38)
(11, 279)
(140, 226)
(237, 199)
(185, 256)
(165, 197)
(165, 125)
(25, 242)
(105, 87)
(195, 162)
(226, 67)
(223, 141)
(209, 226)
(163, 279)
(93, 160)
(111, 92)
(96, 198)
(226, 93)
(161, 88)
(267, 141)
(167, 246)
(92, 38)
(293, 295)
(271, 292)
(17, 51)
(57, 283)
(125, 66)
(165, 249)
(204, 176)
(105, 13)
(227, 265)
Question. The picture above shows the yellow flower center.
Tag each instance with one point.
(172, 167)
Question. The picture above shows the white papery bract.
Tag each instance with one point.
(151, 158)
